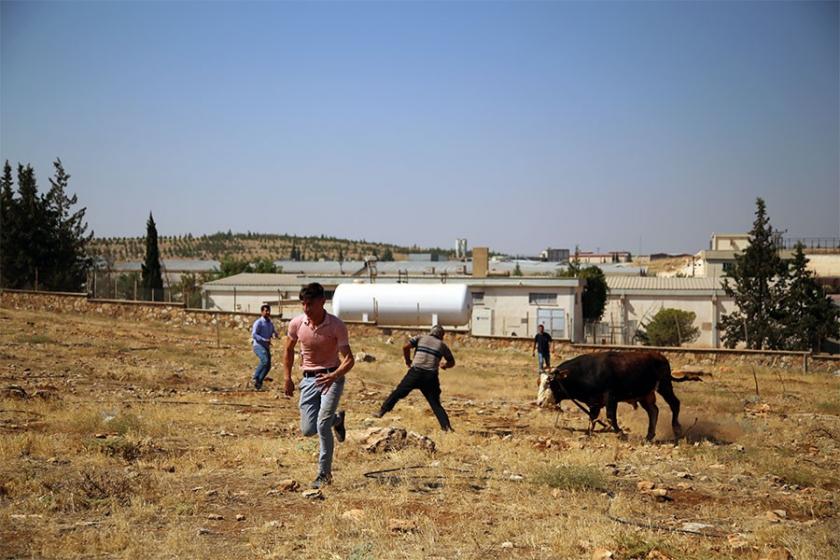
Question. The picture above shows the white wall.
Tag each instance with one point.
(250, 302)
(514, 315)
(641, 308)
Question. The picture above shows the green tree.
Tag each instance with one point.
(670, 327)
(68, 251)
(809, 315)
(151, 271)
(8, 228)
(43, 242)
(517, 271)
(594, 297)
(230, 266)
(265, 266)
(189, 290)
(758, 287)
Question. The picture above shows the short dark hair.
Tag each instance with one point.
(265, 306)
(312, 291)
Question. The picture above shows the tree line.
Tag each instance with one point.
(43, 238)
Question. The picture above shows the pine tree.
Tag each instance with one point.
(8, 229)
(809, 315)
(759, 283)
(151, 273)
(68, 251)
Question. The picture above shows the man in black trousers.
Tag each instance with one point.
(423, 373)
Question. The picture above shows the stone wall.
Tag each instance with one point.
(176, 314)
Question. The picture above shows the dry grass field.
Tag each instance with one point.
(122, 440)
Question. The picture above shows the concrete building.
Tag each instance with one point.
(720, 258)
(502, 305)
(555, 255)
(587, 257)
(633, 302)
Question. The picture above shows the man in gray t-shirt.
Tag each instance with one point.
(423, 373)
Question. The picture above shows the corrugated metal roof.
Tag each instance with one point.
(658, 283)
(257, 279)
(265, 280)
(172, 265)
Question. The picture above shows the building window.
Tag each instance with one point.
(537, 298)
(478, 298)
(728, 267)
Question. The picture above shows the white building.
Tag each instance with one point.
(633, 301)
(502, 305)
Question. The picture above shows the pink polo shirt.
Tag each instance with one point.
(319, 345)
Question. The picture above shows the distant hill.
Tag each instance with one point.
(253, 246)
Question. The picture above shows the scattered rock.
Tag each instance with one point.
(775, 516)
(757, 409)
(364, 357)
(313, 494)
(381, 440)
(215, 516)
(401, 525)
(601, 553)
(288, 485)
(354, 515)
(686, 475)
(645, 485)
(506, 544)
(661, 494)
(211, 493)
(778, 554)
(516, 477)
(737, 540)
(694, 527)
(204, 531)
(240, 517)
(656, 555)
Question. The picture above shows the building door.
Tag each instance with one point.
(482, 321)
(554, 321)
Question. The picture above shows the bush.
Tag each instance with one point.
(669, 327)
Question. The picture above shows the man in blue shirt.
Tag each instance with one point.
(261, 334)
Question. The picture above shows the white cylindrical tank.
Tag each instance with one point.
(404, 304)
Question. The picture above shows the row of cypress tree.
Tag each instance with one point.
(780, 304)
(43, 239)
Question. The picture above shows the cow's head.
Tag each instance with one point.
(551, 391)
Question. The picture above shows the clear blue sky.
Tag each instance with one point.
(517, 125)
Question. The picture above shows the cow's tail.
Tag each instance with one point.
(686, 377)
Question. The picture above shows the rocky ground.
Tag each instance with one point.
(122, 439)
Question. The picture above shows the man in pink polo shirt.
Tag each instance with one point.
(326, 359)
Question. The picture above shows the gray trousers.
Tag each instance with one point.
(317, 416)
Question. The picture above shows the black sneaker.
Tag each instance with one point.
(321, 481)
(378, 414)
(340, 430)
